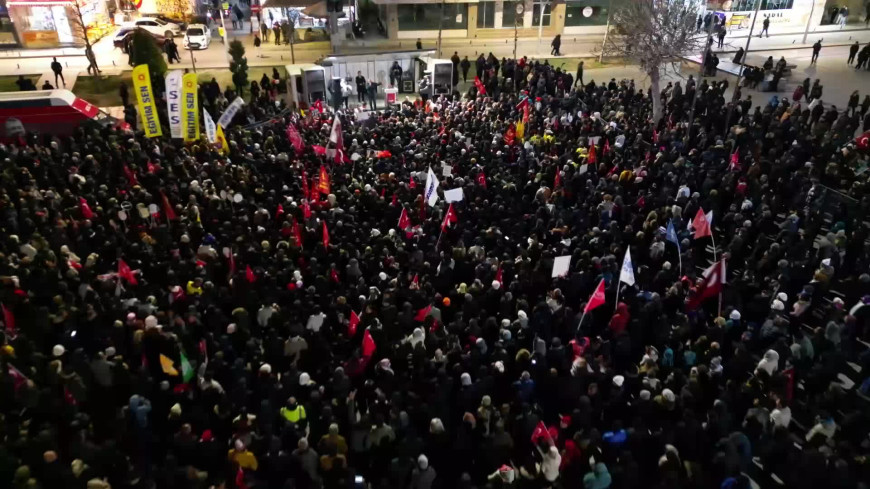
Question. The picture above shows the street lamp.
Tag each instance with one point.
(519, 15)
(543, 7)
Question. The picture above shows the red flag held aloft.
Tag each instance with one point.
(352, 324)
(167, 207)
(297, 233)
(318, 106)
(422, 313)
(449, 218)
(240, 474)
(498, 274)
(125, 273)
(305, 194)
(249, 274)
(333, 275)
(411, 183)
(325, 236)
(713, 280)
(295, 138)
(131, 177)
(318, 149)
(481, 179)
(510, 135)
(862, 142)
(395, 200)
(606, 148)
(541, 431)
(368, 345)
(279, 212)
(701, 225)
(306, 209)
(597, 298)
(655, 136)
(323, 185)
(557, 182)
(592, 158)
(415, 282)
(404, 220)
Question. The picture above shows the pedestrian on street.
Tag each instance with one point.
(221, 32)
(465, 65)
(360, 87)
(764, 26)
(419, 44)
(853, 50)
(57, 69)
(556, 44)
(865, 105)
(277, 28)
(257, 43)
(264, 31)
(455, 60)
(844, 16)
(863, 56)
(124, 93)
(721, 36)
(580, 74)
(373, 94)
(852, 106)
(92, 61)
(817, 47)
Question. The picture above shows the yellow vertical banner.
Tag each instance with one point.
(189, 108)
(145, 101)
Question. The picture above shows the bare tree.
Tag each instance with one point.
(81, 31)
(653, 34)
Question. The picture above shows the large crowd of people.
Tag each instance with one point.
(273, 316)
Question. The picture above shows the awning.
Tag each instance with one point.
(37, 3)
(319, 10)
(287, 3)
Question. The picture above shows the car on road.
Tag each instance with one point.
(120, 39)
(166, 19)
(198, 36)
(155, 25)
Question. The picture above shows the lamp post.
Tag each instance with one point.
(519, 13)
(440, 28)
(543, 5)
(742, 64)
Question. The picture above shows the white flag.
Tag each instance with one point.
(173, 102)
(210, 128)
(626, 275)
(709, 216)
(232, 110)
(431, 193)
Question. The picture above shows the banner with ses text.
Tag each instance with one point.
(228, 115)
(173, 102)
(145, 101)
(189, 108)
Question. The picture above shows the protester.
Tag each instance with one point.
(610, 300)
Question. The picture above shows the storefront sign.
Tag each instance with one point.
(189, 106)
(40, 38)
(173, 102)
(145, 99)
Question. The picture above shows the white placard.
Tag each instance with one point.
(583, 169)
(447, 171)
(561, 265)
(454, 195)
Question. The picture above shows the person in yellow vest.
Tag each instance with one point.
(194, 287)
(294, 413)
(240, 455)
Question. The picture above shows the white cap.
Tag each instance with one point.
(304, 378)
(669, 395)
(618, 380)
(58, 350)
(266, 368)
(735, 315)
(777, 305)
(783, 297)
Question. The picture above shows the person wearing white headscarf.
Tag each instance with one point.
(770, 362)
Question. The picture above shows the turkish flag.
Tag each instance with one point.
(557, 182)
(249, 274)
(368, 345)
(318, 106)
(714, 278)
(422, 313)
(481, 179)
(87, 213)
(404, 220)
(325, 236)
(279, 212)
(125, 273)
(597, 298)
(411, 183)
(498, 274)
(352, 324)
(510, 135)
(735, 161)
(318, 150)
(395, 200)
(415, 282)
(701, 225)
(450, 217)
(240, 474)
(297, 233)
(131, 177)
(541, 431)
(862, 142)
(306, 209)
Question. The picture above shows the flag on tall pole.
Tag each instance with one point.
(626, 275)
(431, 193)
(449, 217)
(701, 225)
(125, 273)
(337, 139)
(325, 236)
(323, 185)
(671, 235)
(597, 298)
(713, 280)
(352, 324)
(404, 220)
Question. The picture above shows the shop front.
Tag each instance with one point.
(58, 23)
(786, 16)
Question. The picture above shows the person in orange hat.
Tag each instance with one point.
(446, 302)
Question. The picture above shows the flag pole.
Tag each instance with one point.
(616, 305)
(680, 258)
(580, 324)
